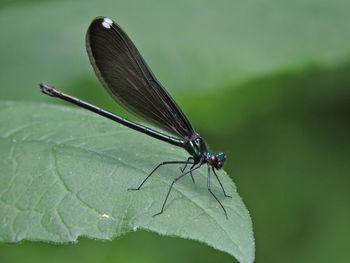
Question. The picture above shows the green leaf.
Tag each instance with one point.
(65, 174)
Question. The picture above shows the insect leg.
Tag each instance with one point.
(185, 166)
(171, 186)
(159, 165)
(209, 189)
(222, 187)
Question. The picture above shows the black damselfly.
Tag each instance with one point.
(126, 76)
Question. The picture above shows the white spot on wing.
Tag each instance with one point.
(107, 22)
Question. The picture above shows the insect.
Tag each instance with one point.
(127, 78)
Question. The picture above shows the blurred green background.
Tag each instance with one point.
(266, 81)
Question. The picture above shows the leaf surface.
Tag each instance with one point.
(65, 174)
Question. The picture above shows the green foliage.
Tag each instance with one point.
(65, 174)
(198, 44)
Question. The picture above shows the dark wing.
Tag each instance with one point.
(128, 79)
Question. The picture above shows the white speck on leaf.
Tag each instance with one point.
(105, 216)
